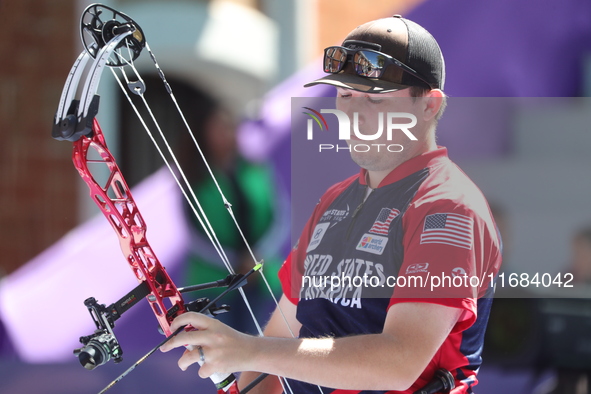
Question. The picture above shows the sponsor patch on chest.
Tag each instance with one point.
(371, 243)
(317, 236)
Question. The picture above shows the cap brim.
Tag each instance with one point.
(356, 82)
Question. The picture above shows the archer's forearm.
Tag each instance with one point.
(364, 362)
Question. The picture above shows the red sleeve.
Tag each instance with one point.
(285, 278)
(450, 256)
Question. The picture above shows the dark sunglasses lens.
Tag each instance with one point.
(334, 59)
(369, 64)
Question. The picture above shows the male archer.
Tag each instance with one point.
(424, 219)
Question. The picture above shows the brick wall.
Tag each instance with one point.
(37, 180)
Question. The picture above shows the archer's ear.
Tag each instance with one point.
(433, 101)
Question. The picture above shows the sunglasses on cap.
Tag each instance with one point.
(366, 62)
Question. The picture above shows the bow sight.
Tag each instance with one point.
(102, 345)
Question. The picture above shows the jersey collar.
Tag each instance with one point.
(427, 159)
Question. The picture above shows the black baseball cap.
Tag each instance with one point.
(403, 40)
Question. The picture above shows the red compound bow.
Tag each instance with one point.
(114, 40)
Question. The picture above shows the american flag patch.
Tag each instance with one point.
(449, 229)
(382, 223)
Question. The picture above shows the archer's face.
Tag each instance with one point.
(393, 146)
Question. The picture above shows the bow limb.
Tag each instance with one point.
(69, 90)
(76, 120)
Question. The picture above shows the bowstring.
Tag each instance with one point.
(194, 202)
(211, 237)
(225, 201)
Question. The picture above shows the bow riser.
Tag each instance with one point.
(115, 201)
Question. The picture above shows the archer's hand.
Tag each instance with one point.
(225, 350)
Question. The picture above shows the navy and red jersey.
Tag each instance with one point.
(425, 223)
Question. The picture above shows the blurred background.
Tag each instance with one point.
(518, 74)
